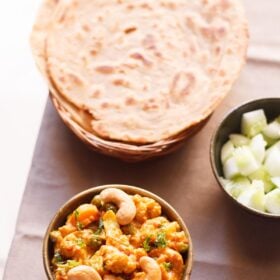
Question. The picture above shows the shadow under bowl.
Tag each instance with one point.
(231, 123)
(85, 197)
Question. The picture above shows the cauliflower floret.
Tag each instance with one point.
(114, 235)
(139, 253)
(176, 238)
(74, 245)
(171, 263)
(151, 227)
(146, 208)
(178, 241)
(115, 260)
(96, 262)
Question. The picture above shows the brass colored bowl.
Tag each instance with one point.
(231, 124)
(85, 197)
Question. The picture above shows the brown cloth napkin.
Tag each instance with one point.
(229, 243)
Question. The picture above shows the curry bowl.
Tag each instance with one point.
(86, 197)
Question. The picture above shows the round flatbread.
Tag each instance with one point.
(146, 70)
(39, 33)
(38, 42)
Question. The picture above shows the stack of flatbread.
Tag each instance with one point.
(133, 78)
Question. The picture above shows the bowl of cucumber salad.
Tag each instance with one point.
(245, 156)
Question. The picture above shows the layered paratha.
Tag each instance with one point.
(145, 70)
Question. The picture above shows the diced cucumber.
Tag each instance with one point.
(253, 123)
(230, 168)
(242, 180)
(251, 163)
(245, 197)
(276, 181)
(257, 146)
(272, 131)
(272, 163)
(239, 140)
(276, 146)
(253, 197)
(262, 174)
(245, 161)
(257, 200)
(272, 201)
(270, 142)
(227, 151)
(237, 186)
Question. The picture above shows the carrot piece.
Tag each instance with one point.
(83, 216)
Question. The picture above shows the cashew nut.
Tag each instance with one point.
(127, 209)
(83, 272)
(151, 268)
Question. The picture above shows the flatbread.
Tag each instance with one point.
(40, 31)
(38, 42)
(145, 70)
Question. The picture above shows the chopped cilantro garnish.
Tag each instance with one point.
(68, 264)
(100, 227)
(167, 266)
(160, 240)
(101, 224)
(76, 214)
(146, 244)
(98, 231)
(57, 258)
(80, 226)
(72, 263)
(80, 242)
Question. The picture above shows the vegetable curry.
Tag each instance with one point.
(93, 237)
